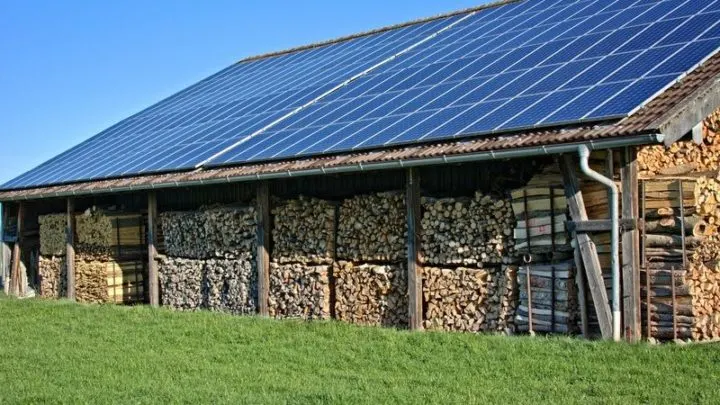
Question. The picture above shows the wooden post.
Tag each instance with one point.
(263, 245)
(630, 248)
(412, 202)
(15, 287)
(153, 282)
(4, 268)
(588, 251)
(70, 249)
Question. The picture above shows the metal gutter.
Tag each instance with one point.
(609, 143)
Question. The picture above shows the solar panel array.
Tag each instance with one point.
(192, 125)
(530, 64)
(521, 65)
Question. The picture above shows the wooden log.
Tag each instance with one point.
(263, 244)
(70, 250)
(587, 248)
(414, 268)
(630, 240)
(153, 277)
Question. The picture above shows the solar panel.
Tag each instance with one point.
(522, 65)
(194, 124)
(532, 64)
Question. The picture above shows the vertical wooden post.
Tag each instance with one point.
(412, 201)
(263, 245)
(15, 279)
(4, 269)
(630, 248)
(153, 280)
(588, 251)
(70, 249)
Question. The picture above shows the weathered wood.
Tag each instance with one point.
(263, 246)
(588, 252)
(70, 249)
(582, 300)
(5, 254)
(630, 240)
(412, 201)
(153, 278)
(15, 279)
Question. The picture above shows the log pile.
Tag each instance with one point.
(52, 234)
(52, 277)
(91, 284)
(548, 298)
(372, 228)
(210, 259)
(371, 294)
(703, 280)
(684, 156)
(299, 291)
(304, 231)
(210, 232)
(94, 230)
(466, 231)
(503, 295)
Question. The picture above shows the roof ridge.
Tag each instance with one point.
(376, 31)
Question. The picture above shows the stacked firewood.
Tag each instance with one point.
(299, 291)
(455, 299)
(52, 234)
(52, 276)
(304, 231)
(703, 280)
(210, 262)
(684, 156)
(209, 232)
(371, 294)
(548, 298)
(94, 230)
(181, 282)
(466, 231)
(503, 295)
(373, 227)
(91, 284)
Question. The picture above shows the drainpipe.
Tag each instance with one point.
(584, 153)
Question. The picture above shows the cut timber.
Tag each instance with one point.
(587, 248)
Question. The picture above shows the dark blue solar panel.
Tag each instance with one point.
(521, 65)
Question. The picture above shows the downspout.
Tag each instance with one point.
(584, 153)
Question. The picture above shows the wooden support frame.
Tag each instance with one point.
(153, 277)
(70, 249)
(263, 247)
(5, 254)
(412, 202)
(15, 279)
(588, 251)
(632, 323)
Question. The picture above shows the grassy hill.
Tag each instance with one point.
(60, 352)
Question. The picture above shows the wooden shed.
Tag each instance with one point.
(523, 166)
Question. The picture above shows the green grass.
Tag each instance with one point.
(59, 352)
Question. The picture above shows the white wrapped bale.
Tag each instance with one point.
(299, 291)
(304, 231)
(373, 227)
(371, 294)
(52, 234)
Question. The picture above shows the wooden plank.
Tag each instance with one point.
(70, 249)
(588, 252)
(582, 300)
(15, 284)
(153, 276)
(5, 267)
(630, 238)
(263, 245)
(412, 201)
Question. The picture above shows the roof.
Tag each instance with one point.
(649, 118)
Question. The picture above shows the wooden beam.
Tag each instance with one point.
(263, 246)
(412, 201)
(70, 249)
(4, 256)
(630, 248)
(580, 281)
(588, 251)
(15, 283)
(153, 277)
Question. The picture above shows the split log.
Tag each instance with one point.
(304, 231)
(373, 228)
(52, 273)
(370, 294)
(299, 291)
(52, 234)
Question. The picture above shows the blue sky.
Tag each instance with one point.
(71, 68)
